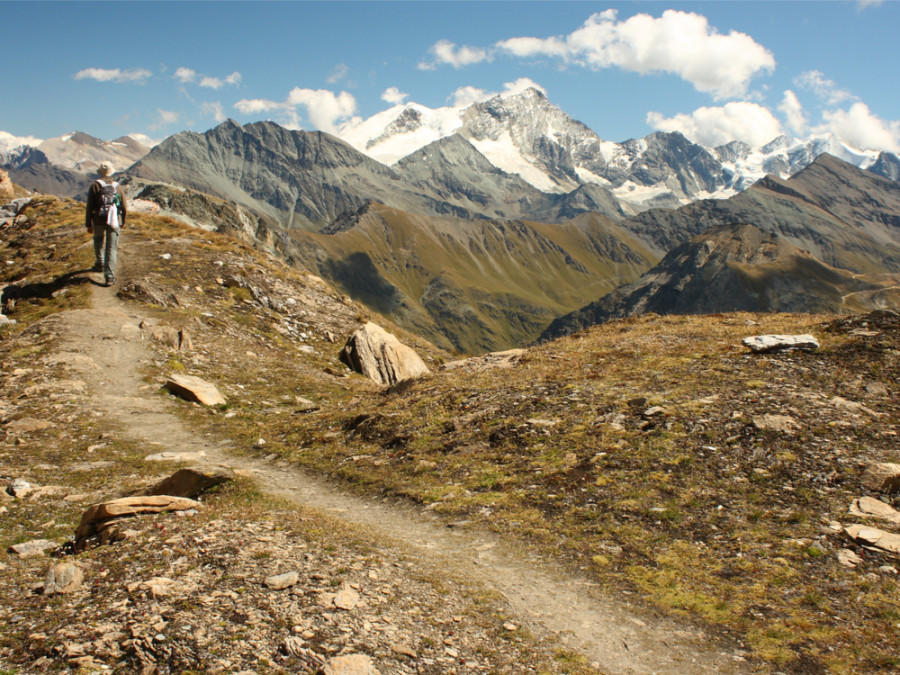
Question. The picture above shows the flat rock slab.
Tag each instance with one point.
(874, 508)
(35, 547)
(884, 541)
(772, 343)
(279, 582)
(129, 506)
(196, 389)
(175, 456)
(350, 664)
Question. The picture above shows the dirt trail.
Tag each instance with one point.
(540, 594)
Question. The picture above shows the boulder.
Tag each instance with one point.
(770, 343)
(6, 186)
(190, 482)
(63, 578)
(35, 547)
(194, 389)
(380, 356)
(882, 477)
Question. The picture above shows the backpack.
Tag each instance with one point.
(109, 198)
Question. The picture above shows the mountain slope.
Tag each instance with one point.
(470, 285)
(734, 268)
(844, 216)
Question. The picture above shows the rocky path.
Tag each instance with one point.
(104, 344)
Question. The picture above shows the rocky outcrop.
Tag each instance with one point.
(6, 187)
(380, 356)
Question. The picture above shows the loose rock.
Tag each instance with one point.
(769, 343)
(196, 389)
(63, 578)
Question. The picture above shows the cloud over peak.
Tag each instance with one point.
(679, 43)
(133, 75)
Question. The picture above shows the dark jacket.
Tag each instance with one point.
(91, 215)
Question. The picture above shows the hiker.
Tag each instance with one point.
(104, 217)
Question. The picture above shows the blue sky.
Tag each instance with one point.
(713, 70)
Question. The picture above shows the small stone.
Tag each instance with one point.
(346, 599)
(279, 582)
(404, 649)
(882, 477)
(160, 586)
(510, 626)
(19, 488)
(781, 423)
(768, 343)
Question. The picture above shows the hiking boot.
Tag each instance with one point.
(98, 267)
(110, 281)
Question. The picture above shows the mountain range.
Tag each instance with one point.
(478, 226)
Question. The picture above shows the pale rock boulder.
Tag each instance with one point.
(381, 357)
(196, 389)
(6, 186)
(62, 578)
(882, 477)
(350, 664)
(772, 343)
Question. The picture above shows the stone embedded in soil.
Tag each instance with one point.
(99, 514)
(195, 389)
(848, 558)
(781, 423)
(768, 343)
(350, 664)
(346, 599)
(380, 356)
(63, 578)
(19, 488)
(882, 477)
(35, 547)
(279, 582)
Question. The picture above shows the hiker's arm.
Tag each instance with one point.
(89, 208)
(123, 207)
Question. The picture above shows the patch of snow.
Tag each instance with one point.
(503, 154)
(632, 192)
(590, 177)
(67, 137)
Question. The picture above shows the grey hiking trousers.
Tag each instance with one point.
(105, 255)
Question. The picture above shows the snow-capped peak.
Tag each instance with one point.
(8, 142)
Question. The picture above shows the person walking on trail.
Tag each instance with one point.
(104, 217)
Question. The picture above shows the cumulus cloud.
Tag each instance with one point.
(793, 112)
(394, 96)
(213, 110)
(865, 4)
(9, 142)
(465, 96)
(445, 52)
(680, 43)
(133, 75)
(145, 139)
(324, 109)
(825, 89)
(712, 126)
(185, 75)
(215, 83)
(861, 129)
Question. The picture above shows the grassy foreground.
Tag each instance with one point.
(655, 455)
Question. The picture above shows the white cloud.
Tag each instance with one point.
(9, 142)
(865, 4)
(681, 43)
(793, 113)
(465, 96)
(825, 89)
(338, 74)
(324, 109)
(255, 106)
(712, 126)
(145, 139)
(185, 75)
(136, 75)
(164, 118)
(861, 129)
(213, 110)
(393, 96)
(215, 83)
(447, 53)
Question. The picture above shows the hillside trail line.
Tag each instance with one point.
(105, 346)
